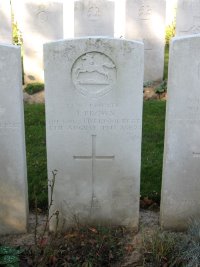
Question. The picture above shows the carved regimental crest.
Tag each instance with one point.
(42, 14)
(94, 74)
(93, 13)
(145, 12)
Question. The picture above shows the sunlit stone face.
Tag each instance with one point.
(94, 89)
(13, 184)
(145, 21)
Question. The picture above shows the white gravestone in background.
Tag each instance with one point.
(13, 183)
(94, 120)
(94, 17)
(188, 17)
(181, 181)
(40, 22)
(145, 20)
(5, 22)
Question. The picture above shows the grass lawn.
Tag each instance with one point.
(152, 147)
(152, 150)
(166, 62)
(36, 153)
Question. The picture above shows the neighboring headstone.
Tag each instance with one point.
(40, 22)
(146, 21)
(5, 22)
(181, 184)
(188, 17)
(94, 18)
(13, 183)
(94, 119)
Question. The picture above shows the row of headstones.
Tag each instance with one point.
(42, 21)
(94, 95)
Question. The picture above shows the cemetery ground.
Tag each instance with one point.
(97, 245)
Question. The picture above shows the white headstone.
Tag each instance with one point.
(5, 22)
(40, 22)
(146, 21)
(94, 18)
(94, 120)
(13, 183)
(188, 17)
(181, 184)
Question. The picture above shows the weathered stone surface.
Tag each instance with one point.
(145, 20)
(94, 18)
(94, 119)
(181, 186)
(40, 22)
(5, 22)
(188, 17)
(13, 183)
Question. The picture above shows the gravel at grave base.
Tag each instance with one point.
(149, 221)
(26, 239)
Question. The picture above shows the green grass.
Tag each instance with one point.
(36, 153)
(152, 150)
(166, 62)
(152, 147)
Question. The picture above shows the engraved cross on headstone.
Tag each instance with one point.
(94, 158)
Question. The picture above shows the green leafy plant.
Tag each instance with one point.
(9, 256)
(33, 88)
(162, 88)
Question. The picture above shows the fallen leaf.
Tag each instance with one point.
(93, 230)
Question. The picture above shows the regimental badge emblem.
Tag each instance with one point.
(94, 74)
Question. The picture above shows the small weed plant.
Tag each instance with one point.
(162, 88)
(170, 32)
(42, 251)
(33, 88)
(82, 245)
